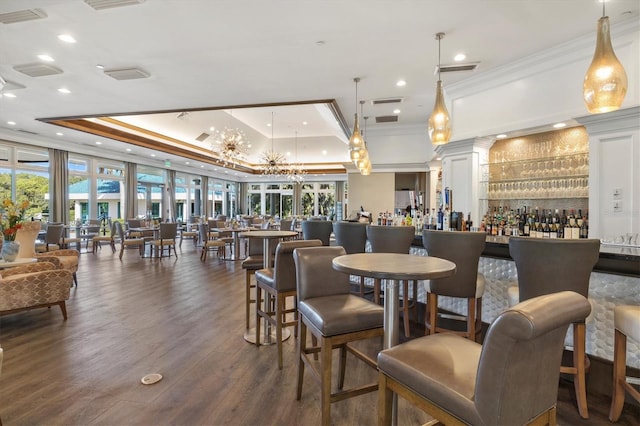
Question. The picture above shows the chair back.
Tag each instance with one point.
(351, 235)
(203, 231)
(315, 276)
(463, 249)
(27, 236)
(546, 266)
(519, 368)
(317, 230)
(168, 231)
(134, 223)
(284, 269)
(285, 224)
(390, 239)
(54, 234)
(265, 225)
(218, 224)
(221, 217)
(118, 230)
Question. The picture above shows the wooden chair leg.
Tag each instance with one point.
(258, 296)
(415, 300)
(405, 308)
(432, 312)
(471, 319)
(342, 366)
(376, 291)
(325, 380)
(302, 347)
(278, 313)
(247, 298)
(619, 375)
(579, 381)
(385, 398)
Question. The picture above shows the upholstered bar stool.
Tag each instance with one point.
(395, 239)
(317, 230)
(279, 283)
(627, 324)
(463, 249)
(547, 266)
(251, 264)
(353, 237)
(511, 379)
(336, 318)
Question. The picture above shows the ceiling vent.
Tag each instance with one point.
(10, 85)
(126, 74)
(387, 119)
(455, 68)
(37, 69)
(108, 4)
(22, 15)
(386, 101)
(202, 137)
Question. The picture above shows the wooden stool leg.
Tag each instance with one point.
(247, 298)
(432, 313)
(619, 375)
(325, 380)
(302, 347)
(471, 319)
(258, 297)
(279, 310)
(405, 308)
(579, 381)
(385, 399)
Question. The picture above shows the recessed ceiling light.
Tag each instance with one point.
(100, 66)
(559, 125)
(288, 154)
(11, 123)
(153, 155)
(98, 143)
(202, 167)
(128, 149)
(186, 162)
(460, 57)
(304, 123)
(438, 158)
(501, 136)
(248, 145)
(59, 134)
(9, 95)
(324, 152)
(66, 38)
(401, 83)
(226, 171)
(64, 90)
(268, 124)
(396, 111)
(45, 58)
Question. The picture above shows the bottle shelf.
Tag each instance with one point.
(564, 166)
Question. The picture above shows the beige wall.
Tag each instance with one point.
(375, 193)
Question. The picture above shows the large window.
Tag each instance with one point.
(24, 174)
(318, 198)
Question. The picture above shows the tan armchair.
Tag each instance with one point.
(37, 285)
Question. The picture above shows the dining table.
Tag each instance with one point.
(268, 337)
(235, 255)
(393, 268)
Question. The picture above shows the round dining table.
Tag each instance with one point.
(268, 337)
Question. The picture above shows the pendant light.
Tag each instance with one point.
(439, 121)
(356, 143)
(605, 83)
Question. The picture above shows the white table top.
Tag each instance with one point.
(268, 234)
(394, 266)
(19, 261)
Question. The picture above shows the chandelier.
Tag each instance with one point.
(296, 172)
(231, 146)
(273, 163)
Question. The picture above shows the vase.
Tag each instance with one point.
(10, 250)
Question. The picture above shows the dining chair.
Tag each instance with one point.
(317, 230)
(335, 318)
(110, 239)
(167, 238)
(128, 242)
(353, 237)
(52, 238)
(210, 242)
(186, 232)
(511, 379)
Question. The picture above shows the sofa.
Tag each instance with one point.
(35, 285)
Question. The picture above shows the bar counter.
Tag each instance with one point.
(615, 281)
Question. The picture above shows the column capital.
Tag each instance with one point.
(622, 119)
(464, 146)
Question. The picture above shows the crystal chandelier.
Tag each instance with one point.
(231, 146)
(296, 172)
(273, 163)
(439, 121)
(605, 83)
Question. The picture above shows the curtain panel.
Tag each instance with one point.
(59, 185)
(131, 190)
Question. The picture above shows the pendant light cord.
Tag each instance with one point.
(603, 3)
(439, 38)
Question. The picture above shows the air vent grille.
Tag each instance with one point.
(387, 119)
(108, 4)
(126, 74)
(22, 15)
(37, 69)
(457, 68)
(202, 137)
(11, 85)
(386, 101)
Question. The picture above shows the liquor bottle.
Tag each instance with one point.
(440, 219)
(584, 229)
(568, 229)
(546, 230)
(553, 228)
(469, 222)
(379, 218)
(575, 230)
(526, 228)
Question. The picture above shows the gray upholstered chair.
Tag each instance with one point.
(317, 230)
(285, 224)
(511, 379)
(279, 283)
(52, 238)
(463, 249)
(353, 237)
(335, 317)
(167, 238)
(109, 239)
(547, 266)
(253, 262)
(210, 242)
(128, 242)
(627, 324)
(395, 239)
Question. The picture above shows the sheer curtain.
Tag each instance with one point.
(131, 188)
(59, 185)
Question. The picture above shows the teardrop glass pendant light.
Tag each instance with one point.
(356, 142)
(439, 121)
(605, 83)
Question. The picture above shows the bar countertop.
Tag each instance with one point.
(614, 259)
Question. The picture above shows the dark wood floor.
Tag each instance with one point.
(185, 320)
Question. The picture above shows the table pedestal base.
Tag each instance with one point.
(250, 336)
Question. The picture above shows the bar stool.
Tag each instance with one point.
(334, 317)
(463, 249)
(251, 264)
(547, 266)
(278, 283)
(353, 237)
(627, 324)
(317, 230)
(395, 239)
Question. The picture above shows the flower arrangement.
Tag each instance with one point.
(12, 217)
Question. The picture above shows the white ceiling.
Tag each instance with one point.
(204, 54)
